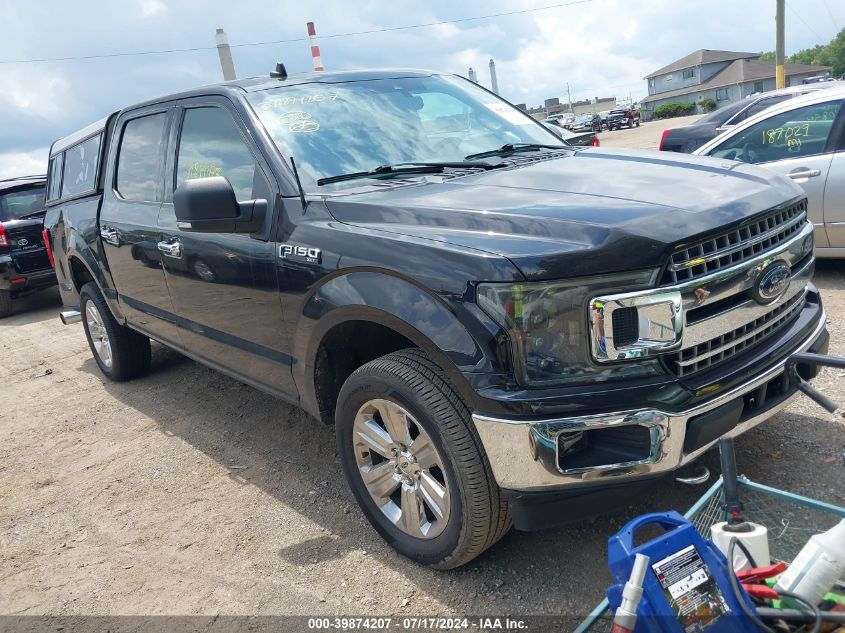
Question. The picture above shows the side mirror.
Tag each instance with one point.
(208, 205)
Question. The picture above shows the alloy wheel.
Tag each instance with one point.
(401, 468)
(99, 335)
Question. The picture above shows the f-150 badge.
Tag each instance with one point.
(307, 254)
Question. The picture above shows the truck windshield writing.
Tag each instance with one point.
(342, 128)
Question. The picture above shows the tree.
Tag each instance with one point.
(831, 54)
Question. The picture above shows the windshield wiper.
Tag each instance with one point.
(510, 148)
(402, 169)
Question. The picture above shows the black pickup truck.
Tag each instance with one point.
(500, 333)
(25, 265)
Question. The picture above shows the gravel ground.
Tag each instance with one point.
(647, 136)
(186, 492)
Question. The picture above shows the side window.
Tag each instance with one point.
(139, 158)
(799, 132)
(211, 145)
(80, 169)
(762, 104)
(55, 177)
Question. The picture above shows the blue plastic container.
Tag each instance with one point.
(687, 586)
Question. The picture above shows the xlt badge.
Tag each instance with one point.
(307, 254)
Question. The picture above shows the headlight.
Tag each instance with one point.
(557, 330)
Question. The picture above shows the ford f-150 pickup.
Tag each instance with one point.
(500, 333)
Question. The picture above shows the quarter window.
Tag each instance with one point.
(80, 168)
(211, 145)
(55, 177)
(139, 158)
(793, 134)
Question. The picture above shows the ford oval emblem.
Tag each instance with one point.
(772, 283)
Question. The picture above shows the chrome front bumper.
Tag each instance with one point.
(523, 453)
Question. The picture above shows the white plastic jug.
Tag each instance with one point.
(819, 564)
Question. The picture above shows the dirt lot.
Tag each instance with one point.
(647, 136)
(186, 492)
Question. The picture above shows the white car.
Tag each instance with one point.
(804, 139)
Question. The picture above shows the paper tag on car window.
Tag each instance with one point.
(510, 114)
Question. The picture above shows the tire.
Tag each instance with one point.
(5, 303)
(638, 123)
(476, 514)
(120, 353)
(630, 123)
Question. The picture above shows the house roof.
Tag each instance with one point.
(737, 72)
(702, 56)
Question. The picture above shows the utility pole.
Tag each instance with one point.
(780, 71)
(225, 54)
(569, 96)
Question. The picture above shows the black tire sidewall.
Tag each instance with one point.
(5, 303)
(88, 296)
(357, 391)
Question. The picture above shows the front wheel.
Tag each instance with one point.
(121, 353)
(415, 463)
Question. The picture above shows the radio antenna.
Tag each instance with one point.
(298, 184)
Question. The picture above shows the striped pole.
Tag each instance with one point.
(315, 49)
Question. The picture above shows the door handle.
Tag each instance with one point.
(171, 249)
(801, 172)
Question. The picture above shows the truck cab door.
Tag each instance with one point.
(224, 285)
(128, 223)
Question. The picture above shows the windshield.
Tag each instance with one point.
(333, 129)
(15, 204)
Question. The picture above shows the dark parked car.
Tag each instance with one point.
(502, 328)
(587, 122)
(689, 138)
(577, 139)
(24, 262)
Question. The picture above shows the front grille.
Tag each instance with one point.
(721, 348)
(705, 257)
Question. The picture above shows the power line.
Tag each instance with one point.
(830, 13)
(295, 39)
(809, 28)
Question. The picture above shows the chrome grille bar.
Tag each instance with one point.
(722, 347)
(693, 261)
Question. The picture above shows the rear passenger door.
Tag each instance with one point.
(224, 285)
(129, 233)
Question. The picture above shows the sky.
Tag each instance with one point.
(598, 47)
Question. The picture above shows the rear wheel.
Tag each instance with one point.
(415, 462)
(120, 353)
(5, 303)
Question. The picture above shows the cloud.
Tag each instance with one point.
(150, 8)
(599, 48)
(23, 163)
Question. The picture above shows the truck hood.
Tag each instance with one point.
(595, 211)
